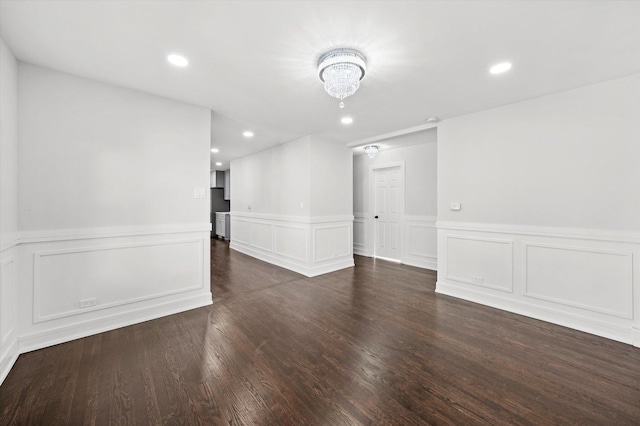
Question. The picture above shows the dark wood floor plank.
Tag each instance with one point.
(372, 344)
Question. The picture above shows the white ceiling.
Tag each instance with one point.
(254, 62)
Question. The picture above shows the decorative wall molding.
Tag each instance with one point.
(8, 340)
(568, 233)
(420, 245)
(484, 264)
(9, 241)
(309, 246)
(108, 232)
(583, 279)
(360, 242)
(420, 242)
(626, 267)
(291, 219)
(39, 277)
(45, 317)
(65, 333)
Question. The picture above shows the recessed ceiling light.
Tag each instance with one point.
(215, 150)
(247, 134)
(347, 120)
(177, 60)
(500, 68)
(218, 164)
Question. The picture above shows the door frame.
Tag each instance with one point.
(371, 229)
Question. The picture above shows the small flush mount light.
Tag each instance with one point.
(218, 164)
(247, 134)
(500, 68)
(215, 150)
(371, 150)
(341, 71)
(346, 120)
(432, 120)
(177, 60)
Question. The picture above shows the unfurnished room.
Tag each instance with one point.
(319, 212)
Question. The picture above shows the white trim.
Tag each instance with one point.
(37, 318)
(636, 336)
(8, 357)
(67, 333)
(572, 233)
(301, 268)
(9, 241)
(380, 138)
(291, 219)
(108, 232)
(430, 262)
(509, 287)
(628, 312)
(608, 330)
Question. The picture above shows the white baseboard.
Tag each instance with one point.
(610, 331)
(50, 337)
(636, 337)
(431, 263)
(8, 357)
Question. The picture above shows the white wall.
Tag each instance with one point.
(106, 207)
(418, 152)
(301, 213)
(550, 195)
(274, 181)
(8, 207)
(331, 171)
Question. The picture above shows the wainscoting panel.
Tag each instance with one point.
(291, 241)
(360, 242)
(79, 280)
(579, 278)
(331, 242)
(8, 340)
(482, 262)
(76, 283)
(591, 279)
(262, 236)
(421, 247)
(309, 246)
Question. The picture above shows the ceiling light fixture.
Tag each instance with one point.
(341, 71)
(218, 164)
(371, 150)
(346, 120)
(177, 60)
(500, 68)
(247, 134)
(215, 150)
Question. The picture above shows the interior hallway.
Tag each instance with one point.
(367, 345)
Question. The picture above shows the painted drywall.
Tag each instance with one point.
(420, 159)
(331, 173)
(96, 155)
(275, 181)
(564, 160)
(291, 206)
(8, 144)
(111, 232)
(8, 207)
(550, 208)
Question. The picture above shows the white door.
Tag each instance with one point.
(388, 212)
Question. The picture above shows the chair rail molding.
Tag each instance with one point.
(310, 246)
(584, 279)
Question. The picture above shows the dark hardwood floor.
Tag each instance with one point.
(367, 345)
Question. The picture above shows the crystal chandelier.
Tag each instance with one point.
(341, 71)
(371, 150)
